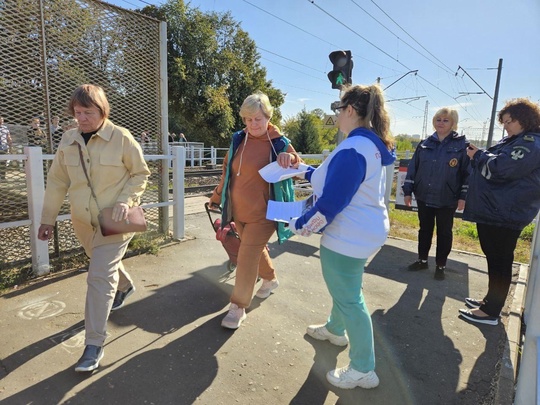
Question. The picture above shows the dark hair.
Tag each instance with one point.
(524, 111)
(368, 102)
(88, 95)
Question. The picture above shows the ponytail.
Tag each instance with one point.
(368, 101)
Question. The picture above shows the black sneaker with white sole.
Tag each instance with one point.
(121, 297)
(488, 320)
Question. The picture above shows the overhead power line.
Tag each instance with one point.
(309, 33)
(386, 53)
(410, 36)
(475, 82)
(291, 24)
(397, 36)
(290, 60)
(357, 34)
(295, 70)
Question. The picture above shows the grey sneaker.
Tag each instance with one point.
(267, 287)
(234, 317)
(320, 332)
(90, 359)
(120, 297)
(348, 378)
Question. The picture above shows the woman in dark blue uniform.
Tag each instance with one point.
(437, 175)
(503, 198)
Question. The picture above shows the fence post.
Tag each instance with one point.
(179, 166)
(213, 158)
(36, 191)
(325, 154)
(388, 190)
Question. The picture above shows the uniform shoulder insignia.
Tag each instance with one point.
(528, 138)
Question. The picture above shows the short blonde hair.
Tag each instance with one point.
(255, 102)
(88, 95)
(447, 112)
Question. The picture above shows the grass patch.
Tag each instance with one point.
(404, 224)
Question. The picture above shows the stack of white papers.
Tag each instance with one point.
(273, 172)
(284, 211)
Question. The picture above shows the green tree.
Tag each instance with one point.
(403, 143)
(304, 131)
(213, 66)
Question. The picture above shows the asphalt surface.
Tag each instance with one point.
(166, 345)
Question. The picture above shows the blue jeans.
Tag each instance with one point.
(343, 277)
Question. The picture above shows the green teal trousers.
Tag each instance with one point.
(343, 276)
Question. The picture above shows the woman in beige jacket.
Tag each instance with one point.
(118, 174)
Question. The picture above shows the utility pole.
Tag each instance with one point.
(494, 108)
(424, 126)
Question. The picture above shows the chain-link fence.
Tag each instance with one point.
(49, 47)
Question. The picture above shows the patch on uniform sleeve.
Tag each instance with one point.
(528, 138)
(519, 152)
(453, 162)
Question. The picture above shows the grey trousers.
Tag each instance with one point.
(106, 275)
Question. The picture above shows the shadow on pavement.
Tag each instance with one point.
(178, 372)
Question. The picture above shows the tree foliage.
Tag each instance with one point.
(403, 143)
(305, 131)
(213, 66)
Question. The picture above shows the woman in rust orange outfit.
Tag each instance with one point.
(243, 196)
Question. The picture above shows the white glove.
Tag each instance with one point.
(302, 232)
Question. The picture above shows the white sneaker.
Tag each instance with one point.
(234, 317)
(267, 287)
(320, 332)
(348, 377)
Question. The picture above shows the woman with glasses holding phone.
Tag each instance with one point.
(438, 176)
(504, 197)
(351, 214)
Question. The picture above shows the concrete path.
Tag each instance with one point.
(166, 345)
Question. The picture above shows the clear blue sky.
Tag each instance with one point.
(294, 38)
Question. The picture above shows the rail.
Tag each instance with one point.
(34, 177)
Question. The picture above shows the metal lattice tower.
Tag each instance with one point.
(424, 127)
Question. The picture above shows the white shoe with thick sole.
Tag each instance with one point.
(320, 332)
(267, 287)
(348, 378)
(234, 317)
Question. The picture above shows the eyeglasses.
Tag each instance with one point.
(337, 110)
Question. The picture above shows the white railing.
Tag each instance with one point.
(528, 383)
(35, 184)
(198, 155)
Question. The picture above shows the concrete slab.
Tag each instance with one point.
(166, 345)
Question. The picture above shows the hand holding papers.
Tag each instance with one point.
(284, 211)
(273, 172)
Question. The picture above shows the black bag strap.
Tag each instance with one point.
(86, 174)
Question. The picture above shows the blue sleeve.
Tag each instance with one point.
(346, 171)
(308, 174)
(511, 162)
